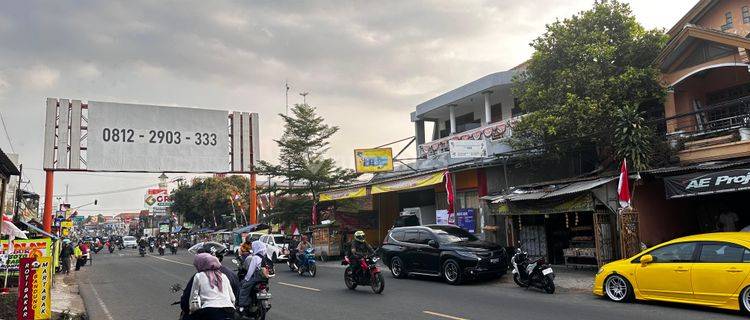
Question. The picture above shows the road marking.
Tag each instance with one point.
(296, 286)
(443, 315)
(170, 260)
(101, 303)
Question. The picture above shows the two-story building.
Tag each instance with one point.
(705, 69)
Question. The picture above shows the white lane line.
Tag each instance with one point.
(101, 303)
(170, 260)
(297, 286)
(443, 315)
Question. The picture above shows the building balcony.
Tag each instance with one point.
(716, 132)
(493, 133)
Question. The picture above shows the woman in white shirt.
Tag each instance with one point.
(212, 297)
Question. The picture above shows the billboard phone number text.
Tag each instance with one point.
(158, 137)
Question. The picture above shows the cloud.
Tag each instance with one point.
(41, 77)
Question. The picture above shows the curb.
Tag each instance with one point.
(67, 302)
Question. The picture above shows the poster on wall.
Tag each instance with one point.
(465, 219)
(441, 216)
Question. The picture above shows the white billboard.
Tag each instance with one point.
(467, 148)
(145, 138)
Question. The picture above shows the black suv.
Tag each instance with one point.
(443, 251)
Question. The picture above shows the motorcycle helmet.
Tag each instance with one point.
(215, 249)
(304, 238)
(359, 236)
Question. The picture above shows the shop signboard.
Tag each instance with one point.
(23, 248)
(164, 227)
(43, 289)
(26, 277)
(465, 219)
(343, 194)
(700, 183)
(373, 160)
(461, 149)
(408, 183)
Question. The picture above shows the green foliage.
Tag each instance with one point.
(303, 162)
(206, 200)
(585, 71)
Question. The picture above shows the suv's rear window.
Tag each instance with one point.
(128, 238)
(279, 239)
(397, 235)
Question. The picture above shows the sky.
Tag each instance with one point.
(365, 64)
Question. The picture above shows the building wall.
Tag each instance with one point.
(386, 204)
(659, 219)
(715, 18)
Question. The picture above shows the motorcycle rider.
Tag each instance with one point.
(301, 247)
(258, 265)
(359, 249)
(234, 281)
(293, 249)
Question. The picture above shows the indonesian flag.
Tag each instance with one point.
(623, 187)
(449, 191)
(315, 214)
(10, 229)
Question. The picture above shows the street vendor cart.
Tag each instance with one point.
(326, 241)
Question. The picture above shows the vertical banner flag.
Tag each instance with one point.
(623, 187)
(315, 214)
(42, 289)
(26, 275)
(449, 192)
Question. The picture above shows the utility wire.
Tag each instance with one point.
(6, 133)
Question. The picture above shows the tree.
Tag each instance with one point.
(303, 162)
(590, 77)
(211, 201)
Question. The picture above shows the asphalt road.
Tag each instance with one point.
(124, 285)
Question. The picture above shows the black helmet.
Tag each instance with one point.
(215, 249)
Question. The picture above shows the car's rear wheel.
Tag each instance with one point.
(397, 267)
(745, 300)
(618, 289)
(452, 272)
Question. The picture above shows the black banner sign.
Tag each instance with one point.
(701, 183)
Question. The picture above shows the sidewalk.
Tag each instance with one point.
(66, 300)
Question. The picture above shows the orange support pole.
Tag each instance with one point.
(253, 200)
(48, 196)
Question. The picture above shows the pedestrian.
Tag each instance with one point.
(65, 252)
(211, 296)
(80, 259)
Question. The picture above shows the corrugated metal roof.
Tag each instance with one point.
(705, 166)
(549, 191)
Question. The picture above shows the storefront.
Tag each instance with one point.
(701, 198)
(569, 223)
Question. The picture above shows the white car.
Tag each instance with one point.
(129, 242)
(276, 245)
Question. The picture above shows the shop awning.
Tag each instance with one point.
(34, 229)
(177, 229)
(408, 183)
(702, 183)
(549, 191)
(343, 194)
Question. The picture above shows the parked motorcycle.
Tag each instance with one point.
(532, 274)
(369, 274)
(162, 248)
(306, 263)
(262, 303)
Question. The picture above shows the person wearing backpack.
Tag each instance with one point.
(259, 267)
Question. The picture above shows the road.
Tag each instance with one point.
(126, 286)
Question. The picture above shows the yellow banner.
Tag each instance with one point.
(343, 194)
(373, 160)
(409, 183)
(42, 289)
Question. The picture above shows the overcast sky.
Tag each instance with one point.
(366, 64)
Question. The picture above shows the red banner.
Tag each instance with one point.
(26, 272)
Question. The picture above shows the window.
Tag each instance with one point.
(279, 239)
(745, 14)
(424, 237)
(467, 199)
(496, 112)
(721, 253)
(729, 24)
(397, 235)
(678, 252)
(451, 234)
(412, 237)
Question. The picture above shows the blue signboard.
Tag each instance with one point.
(465, 219)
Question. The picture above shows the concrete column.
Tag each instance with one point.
(452, 109)
(487, 108)
(419, 135)
(670, 110)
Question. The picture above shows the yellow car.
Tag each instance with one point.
(706, 269)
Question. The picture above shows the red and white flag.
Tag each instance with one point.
(623, 187)
(315, 214)
(449, 192)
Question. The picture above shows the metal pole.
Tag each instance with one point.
(286, 96)
(48, 188)
(253, 200)
(18, 195)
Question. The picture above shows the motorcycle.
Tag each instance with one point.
(369, 274)
(111, 248)
(306, 263)
(262, 303)
(173, 248)
(142, 251)
(162, 248)
(151, 247)
(291, 260)
(532, 274)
